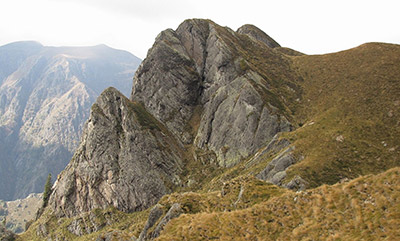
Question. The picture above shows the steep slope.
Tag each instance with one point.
(126, 159)
(211, 89)
(45, 96)
(350, 114)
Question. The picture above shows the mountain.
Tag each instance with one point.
(45, 96)
(188, 100)
(227, 135)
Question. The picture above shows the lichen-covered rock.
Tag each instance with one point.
(126, 159)
(297, 183)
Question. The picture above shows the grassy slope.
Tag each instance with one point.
(350, 111)
(365, 208)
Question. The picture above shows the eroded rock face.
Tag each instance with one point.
(200, 86)
(126, 159)
(197, 81)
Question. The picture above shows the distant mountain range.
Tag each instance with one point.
(45, 97)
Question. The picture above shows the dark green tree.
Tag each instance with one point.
(47, 190)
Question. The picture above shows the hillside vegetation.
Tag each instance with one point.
(365, 208)
(349, 113)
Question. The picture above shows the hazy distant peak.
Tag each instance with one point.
(20, 44)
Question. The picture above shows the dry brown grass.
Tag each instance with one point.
(350, 113)
(366, 208)
(239, 193)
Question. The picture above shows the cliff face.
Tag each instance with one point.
(126, 159)
(45, 97)
(206, 84)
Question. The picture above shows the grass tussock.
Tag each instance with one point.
(239, 193)
(365, 208)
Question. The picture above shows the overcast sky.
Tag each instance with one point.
(309, 26)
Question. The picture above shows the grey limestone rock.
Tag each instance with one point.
(75, 227)
(297, 183)
(275, 146)
(274, 172)
(174, 212)
(126, 159)
(155, 213)
(193, 81)
(198, 87)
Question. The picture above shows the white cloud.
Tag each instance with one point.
(309, 26)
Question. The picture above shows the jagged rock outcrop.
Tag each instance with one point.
(45, 97)
(274, 172)
(204, 83)
(126, 159)
(200, 87)
(155, 218)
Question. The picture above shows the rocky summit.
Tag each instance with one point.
(126, 159)
(45, 97)
(227, 135)
(187, 90)
(199, 80)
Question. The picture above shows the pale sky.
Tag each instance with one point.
(309, 26)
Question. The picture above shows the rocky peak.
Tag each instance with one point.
(199, 82)
(200, 88)
(126, 159)
(256, 33)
